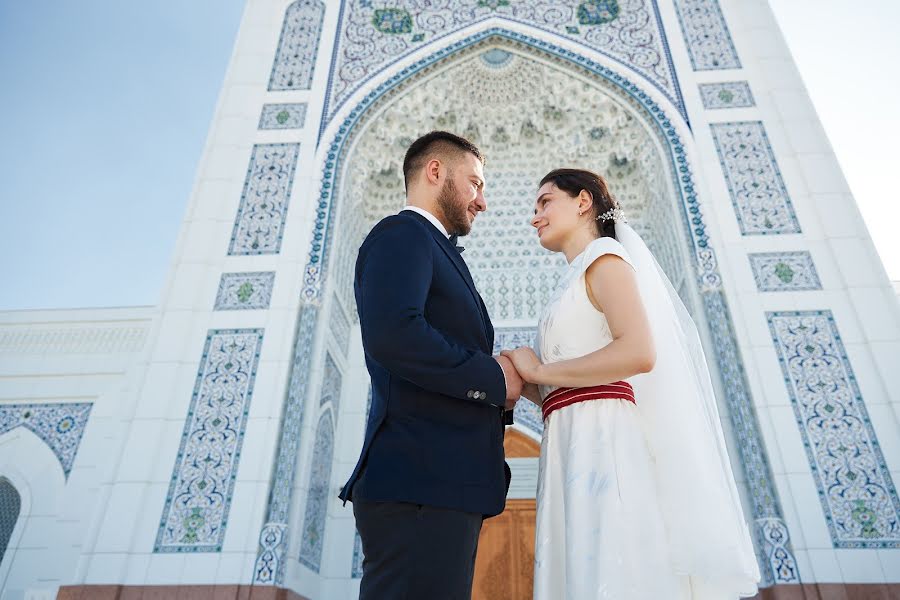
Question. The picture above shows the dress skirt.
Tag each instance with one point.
(599, 531)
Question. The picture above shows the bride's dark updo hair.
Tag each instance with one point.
(572, 181)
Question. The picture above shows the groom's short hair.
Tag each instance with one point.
(442, 144)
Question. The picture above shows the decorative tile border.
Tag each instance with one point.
(199, 496)
(282, 116)
(259, 225)
(340, 325)
(758, 194)
(298, 45)
(730, 94)
(858, 496)
(331, 385)
(317, 496)
(761, 487)
(777, 563)
(244, 291)
(776, 549)
(59, 425)
(784, 271)
(313, 532)
(273, 537)
(270, 556)
(706, 35)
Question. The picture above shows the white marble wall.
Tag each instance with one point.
(123, 550)
(51, 360)
(854, 286)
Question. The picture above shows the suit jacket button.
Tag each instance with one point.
(470, 394)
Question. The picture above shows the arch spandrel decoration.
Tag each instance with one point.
(336, 196)
(60, 425)
(372, 37)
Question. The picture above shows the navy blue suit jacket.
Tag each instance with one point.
(435, 430)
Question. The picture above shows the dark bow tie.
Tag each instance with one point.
(453, 239)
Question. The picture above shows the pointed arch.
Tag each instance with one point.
(676, 148)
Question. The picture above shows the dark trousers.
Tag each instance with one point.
(413, 552)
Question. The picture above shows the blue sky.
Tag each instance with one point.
(106, 105)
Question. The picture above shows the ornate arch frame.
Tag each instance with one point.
(774, 552)
(33, 491)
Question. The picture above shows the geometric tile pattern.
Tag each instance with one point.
(313, 532)
(10, 504)
(758, 193)
(373, 37)
(59, 425)
(731, 94)
(282, 116)
(706, 35)
(526, 413)
(784, 271)
(264, 201)
(776, 559)
(297, 46)
(239, 291)
(199, 496)
(273, 537)
(857, 493)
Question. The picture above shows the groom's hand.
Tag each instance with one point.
(513, 381)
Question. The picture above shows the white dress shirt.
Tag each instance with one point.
(433, 219)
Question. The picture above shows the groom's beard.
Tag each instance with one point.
(457, 215)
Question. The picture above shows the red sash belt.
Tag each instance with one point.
(566, 396)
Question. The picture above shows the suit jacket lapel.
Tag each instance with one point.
(454, 256)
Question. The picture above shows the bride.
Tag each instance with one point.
(636, 498)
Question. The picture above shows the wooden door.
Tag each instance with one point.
(504, 567)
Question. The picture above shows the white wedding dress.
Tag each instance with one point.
(600, 531)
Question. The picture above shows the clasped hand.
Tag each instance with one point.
(520, 368)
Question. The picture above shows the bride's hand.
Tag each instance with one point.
(525, 361)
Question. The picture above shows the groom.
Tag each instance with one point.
(432, 465)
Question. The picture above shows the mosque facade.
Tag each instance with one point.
(197, 447)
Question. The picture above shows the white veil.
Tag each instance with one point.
(701, 509)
